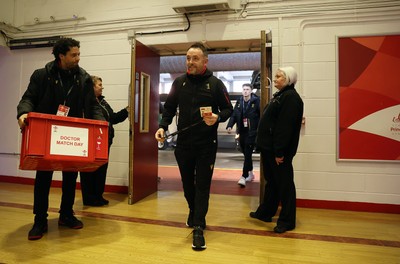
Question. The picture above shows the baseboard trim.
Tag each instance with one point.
(57, 183)
(349, 206)
(317, 204)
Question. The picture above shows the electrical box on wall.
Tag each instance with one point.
(183, 6)
(30, 43)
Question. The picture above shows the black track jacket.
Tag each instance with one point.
(252, 113)
(189, 93)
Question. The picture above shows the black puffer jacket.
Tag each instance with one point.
(189, 93)
(46, 92)
(279, 128)
(112, 117)
(251, 112)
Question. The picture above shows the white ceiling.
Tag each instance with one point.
(214, 47)
(232, 55)
(243, 61)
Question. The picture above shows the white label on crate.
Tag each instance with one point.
(69, 141)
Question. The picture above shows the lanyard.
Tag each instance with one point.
(244, 109)
(62, 85)
(183, 129)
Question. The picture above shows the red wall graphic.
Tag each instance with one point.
(369, 98)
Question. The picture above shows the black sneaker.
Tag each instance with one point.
(70, 221)
(189, 221)
(265, 219)
(198, 239)
(96, 203)
(37, 231)
(104, 201)
(282, 229)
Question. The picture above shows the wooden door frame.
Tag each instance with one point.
(265, 90)
(132, 105)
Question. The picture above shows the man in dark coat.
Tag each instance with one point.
(61, 88)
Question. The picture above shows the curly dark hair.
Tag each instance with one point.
(63, 45)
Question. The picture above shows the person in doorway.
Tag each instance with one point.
(277, 138)
(246, 115)
(62, 88)
(93, 183)
(203, 102)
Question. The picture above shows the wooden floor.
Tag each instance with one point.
(153, 231)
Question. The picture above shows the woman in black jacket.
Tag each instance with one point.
(93, 183)
(277, 138)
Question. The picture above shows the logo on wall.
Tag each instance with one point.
(396, 126)
(369, 98)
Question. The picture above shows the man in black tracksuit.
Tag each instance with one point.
(203, 102)
(278, 138)
(246, 115)
(61, 85)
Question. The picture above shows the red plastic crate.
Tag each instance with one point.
(59, 143)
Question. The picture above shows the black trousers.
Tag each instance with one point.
(247, 145)
(196, 166)
(93, 184)
(42, 189)
(279, 188)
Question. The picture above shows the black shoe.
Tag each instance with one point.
(70, 221)
(37, 231)
(189, 221)
(265, 219)
(198, 239)
(96, 203)
(282, 229)
(104, 201)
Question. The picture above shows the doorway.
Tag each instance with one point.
(234, 69)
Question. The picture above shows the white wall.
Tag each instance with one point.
(306, 40)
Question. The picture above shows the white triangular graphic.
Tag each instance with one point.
(385, 123)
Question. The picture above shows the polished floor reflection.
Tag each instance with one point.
(153, 230)
(228, 170)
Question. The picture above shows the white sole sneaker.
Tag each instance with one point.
(242, 182)
(250, 178)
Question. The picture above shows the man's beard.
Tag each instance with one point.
(72, 66)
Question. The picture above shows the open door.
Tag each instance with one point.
(144, 110)
(265, 87)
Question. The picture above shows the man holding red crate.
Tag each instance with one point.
(65, 89)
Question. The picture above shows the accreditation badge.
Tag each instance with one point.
(245, 123)
(205, 111)
(62, 110)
